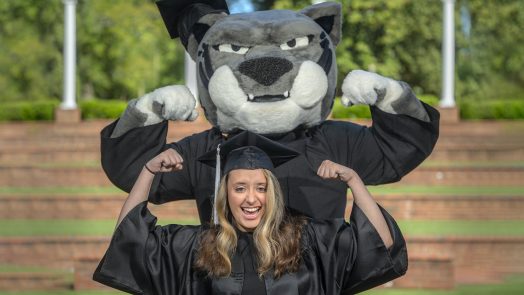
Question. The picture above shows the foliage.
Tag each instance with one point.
(493, 109)
(469, 109)
(123, 49)
(44, 110)
(102, 109)
(28, 111)
(402, 39)
(363, 112)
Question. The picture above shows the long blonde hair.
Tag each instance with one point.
(277, 236)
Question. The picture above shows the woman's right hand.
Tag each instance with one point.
(167, 161)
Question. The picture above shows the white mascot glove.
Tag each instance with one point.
(361, 87)
(175, 103)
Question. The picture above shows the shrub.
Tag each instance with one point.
(28, 111)
(102, 109)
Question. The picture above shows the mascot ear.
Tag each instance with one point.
(190, 19)
(328, 15)
(199, 30)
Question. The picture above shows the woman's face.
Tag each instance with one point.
(246, 194)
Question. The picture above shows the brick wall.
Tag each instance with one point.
(401, 207)
(475, 259)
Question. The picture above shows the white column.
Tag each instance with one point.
(190, 75)
(448, 56)
(68, 100)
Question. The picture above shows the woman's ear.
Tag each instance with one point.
(328, 15)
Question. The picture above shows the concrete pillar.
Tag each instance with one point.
(448, 55)
(68, 110)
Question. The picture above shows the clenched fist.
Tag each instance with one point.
(331, 170)
(167, 161)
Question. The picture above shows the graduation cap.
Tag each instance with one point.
(246, 150)
(180, 15)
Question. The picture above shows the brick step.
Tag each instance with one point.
(94, 176)
(91, 153)
(427, 272)
(466, 176)
(475, 259)
(402, 207)
(488, 257)
(30, 157)
(477, 153)
(418, 207)
(34, 281)
(25, 131)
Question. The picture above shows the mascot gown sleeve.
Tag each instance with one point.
(383, 153)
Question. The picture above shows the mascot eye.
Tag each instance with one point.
(295, 43)
(232, 48)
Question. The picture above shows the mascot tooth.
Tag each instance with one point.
(274, 73)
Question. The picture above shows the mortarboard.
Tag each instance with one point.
(180, 15)
(246, 150)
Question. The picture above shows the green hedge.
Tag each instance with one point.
(102, 109)
(469, 110)
(496, 109)
(44, 110)
(28, 111)
(362, 111)
(110, 109)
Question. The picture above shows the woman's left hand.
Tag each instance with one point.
(331, 170)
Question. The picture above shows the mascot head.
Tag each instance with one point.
(266, 71)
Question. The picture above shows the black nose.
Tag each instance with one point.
(265, 70)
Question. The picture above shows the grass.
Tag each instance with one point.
(24, 268)
(61, 191)
(70, 292)
(65, 227)
(512, 285)
(378, 190)
(462, 227)
(475, 164)
(395, 189)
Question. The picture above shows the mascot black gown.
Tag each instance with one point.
(272, 73)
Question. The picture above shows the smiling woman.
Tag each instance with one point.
(254, 246)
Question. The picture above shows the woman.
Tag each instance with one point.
(256, 248)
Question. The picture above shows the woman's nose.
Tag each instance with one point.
(251, 196)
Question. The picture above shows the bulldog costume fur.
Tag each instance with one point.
(274, 73)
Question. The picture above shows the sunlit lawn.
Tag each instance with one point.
(512, 286)
(75, 227)
(381, 189)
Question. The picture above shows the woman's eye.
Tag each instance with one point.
(239, 189)
(261, 189)
(295, 43)
(230, 48)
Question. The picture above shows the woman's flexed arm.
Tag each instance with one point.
(361, 195)
(167, 161)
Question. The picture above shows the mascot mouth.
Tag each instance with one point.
(267, 98)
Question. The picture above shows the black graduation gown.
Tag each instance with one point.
(338, 258)
(383, 153)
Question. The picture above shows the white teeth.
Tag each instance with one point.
(286, 94)
(251, 210)
(250, 96)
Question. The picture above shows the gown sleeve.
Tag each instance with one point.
(354, 252)
(144, 258)
(123, 158)
(389, 149)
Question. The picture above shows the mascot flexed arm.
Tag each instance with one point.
(273, 73)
